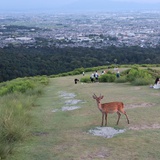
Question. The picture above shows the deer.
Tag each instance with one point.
(111, 107)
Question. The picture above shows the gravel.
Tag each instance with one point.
(107, 132)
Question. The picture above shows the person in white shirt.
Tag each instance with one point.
(157, 84)
(96, 76)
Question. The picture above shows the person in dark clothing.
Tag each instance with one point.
(76, 80)
(157, 80)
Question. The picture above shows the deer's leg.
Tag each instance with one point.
(119, 115)
(124, 112)
(126, 117)
(105, 119)
(102, 119)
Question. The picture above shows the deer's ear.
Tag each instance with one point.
(94, 96)
(102, 97)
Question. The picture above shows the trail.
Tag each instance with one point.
(45, 131)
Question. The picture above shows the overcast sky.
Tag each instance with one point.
(78, 5)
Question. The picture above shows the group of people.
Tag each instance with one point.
(94, 77)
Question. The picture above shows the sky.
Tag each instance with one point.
(78, 5)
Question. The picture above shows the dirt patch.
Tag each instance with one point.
(70, 108)
(66, 95)
(137, 105)
(70, 103)
(142, 127)
(107, 132)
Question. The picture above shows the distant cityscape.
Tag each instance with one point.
(86, 30)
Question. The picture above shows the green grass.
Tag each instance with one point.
(63, 135)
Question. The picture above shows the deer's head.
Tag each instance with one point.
(98, 99)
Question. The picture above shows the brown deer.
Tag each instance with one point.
(110, 107)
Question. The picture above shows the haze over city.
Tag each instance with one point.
(78, 5)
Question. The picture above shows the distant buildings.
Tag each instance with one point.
(92, 30)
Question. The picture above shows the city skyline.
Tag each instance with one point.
(79, 5)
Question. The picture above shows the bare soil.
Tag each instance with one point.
(107, 132)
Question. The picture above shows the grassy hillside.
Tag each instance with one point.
(58, 135)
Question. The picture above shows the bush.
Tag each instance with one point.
(135, 73)
(16, 86)
(121, 79)
(85, 79)
(141, 81)
(107, 77)
(22, 85)
(155, 73)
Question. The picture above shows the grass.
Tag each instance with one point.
(63, 135)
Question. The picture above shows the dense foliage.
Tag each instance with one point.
(21, 61)
(22, 85)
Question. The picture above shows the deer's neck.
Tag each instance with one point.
(99, 105)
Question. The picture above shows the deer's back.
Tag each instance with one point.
(112, 107)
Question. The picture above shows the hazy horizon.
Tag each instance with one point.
(79, 5)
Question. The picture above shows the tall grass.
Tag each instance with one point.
(17, 98)
(14, 120)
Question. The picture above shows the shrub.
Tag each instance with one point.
(107, 77)
(142, 81)
(76, 72)
(135, 73)
(121, 79)
(22, 85)
(155, 73)
(85, 79)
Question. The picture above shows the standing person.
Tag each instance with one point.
(92, 77)
(117, 74)
(96, 76)
(83, 73)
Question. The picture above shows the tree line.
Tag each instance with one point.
(23, 61)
